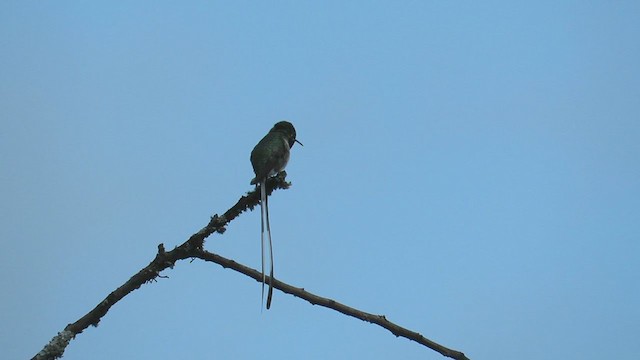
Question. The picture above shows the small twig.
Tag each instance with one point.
(379, 320)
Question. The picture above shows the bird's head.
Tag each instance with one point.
(287, 130)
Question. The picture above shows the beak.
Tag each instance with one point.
(299, 142)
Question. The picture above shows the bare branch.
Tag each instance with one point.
(380, 320)
(193, 248)
(55, 348)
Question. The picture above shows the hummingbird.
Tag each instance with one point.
(268, 158)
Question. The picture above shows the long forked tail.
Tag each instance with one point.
(270, 293)
(263, 202)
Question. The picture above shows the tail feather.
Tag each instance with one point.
(263, 196)
(270, 293)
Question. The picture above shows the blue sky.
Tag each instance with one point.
(471, 170)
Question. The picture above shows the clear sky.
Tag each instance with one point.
(471, 170)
